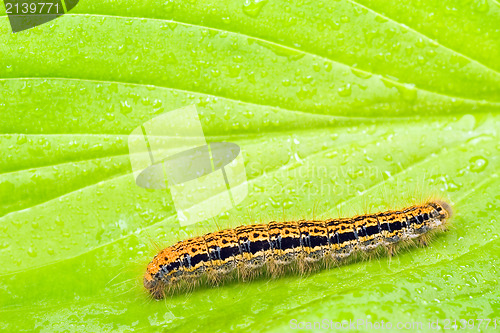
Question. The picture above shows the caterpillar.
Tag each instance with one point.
(250, 250)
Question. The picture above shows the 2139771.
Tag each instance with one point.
(30, 7)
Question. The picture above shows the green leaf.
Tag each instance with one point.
(339, 107)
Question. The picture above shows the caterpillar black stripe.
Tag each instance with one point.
(273, 247)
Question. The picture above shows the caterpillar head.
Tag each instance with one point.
(444, 209)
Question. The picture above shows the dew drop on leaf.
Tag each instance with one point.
(253, 7)
(125, 108)
(345, 91)
(31, 252)
(21, 139)
(478, 163)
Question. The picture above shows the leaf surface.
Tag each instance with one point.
(339, 107)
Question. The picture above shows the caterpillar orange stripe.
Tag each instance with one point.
(250, 250)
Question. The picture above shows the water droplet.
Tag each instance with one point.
(170, 58)
(168, 6)
(21, 139)
(420, 43)
(361, 74)
(32, 252)
(275, 203)
(157, 104)
(58, 221)
(407, 91)
(307, 79)
(258, 188)
(306, 92)
(234, 71)
(452, 186)
(121, 49)
(344, 19)
(125, 108)
(345, 90)
(331, 154)
(26, 89)
(478, 163)
(380, 19)
(253, 7)
(248, 114)
(215, 72)
(480, 6)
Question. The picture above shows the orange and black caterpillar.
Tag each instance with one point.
(273, 247)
